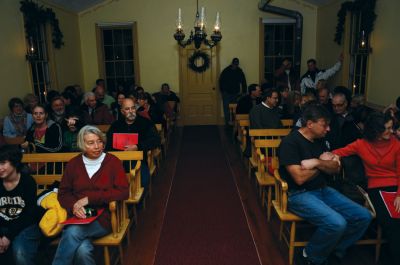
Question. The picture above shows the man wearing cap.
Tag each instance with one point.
(232, 82)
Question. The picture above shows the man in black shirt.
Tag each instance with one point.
(133, 123)
(266, 115)
(246, 103)
(231, 82)
(305, 163)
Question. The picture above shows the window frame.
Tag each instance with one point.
(101, 52)
(296, 55)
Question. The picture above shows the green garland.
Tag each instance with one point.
(35, 15)
(199, 55)
(368, 16)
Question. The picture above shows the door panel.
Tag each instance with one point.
(199, 104)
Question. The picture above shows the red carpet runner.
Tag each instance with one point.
(204, 222)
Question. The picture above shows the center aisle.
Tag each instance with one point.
(204, 222)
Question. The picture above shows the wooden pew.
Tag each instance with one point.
(14, 140)
(161, 133)
(53, 169)
(236, 127)
(280, 205)
(267, 162)
(262, 134)
(103, 127)
(244, 125)
(232, 113)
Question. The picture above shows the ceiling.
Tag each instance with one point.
(81, 5)
(75, 5)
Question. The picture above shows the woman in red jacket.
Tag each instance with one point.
(379, 151)
(91, 180)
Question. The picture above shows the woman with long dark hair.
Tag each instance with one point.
(379, 151)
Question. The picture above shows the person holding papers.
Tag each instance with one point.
(90, 182)
(380, 154)
(147, 136)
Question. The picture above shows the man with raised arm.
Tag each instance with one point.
(305, 163)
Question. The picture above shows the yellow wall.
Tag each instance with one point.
(14, 68)
(327, 50)
(15, 75)
(158, 51)
(67, 60)
(384, 61)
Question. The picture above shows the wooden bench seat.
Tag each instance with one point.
(53, 165)
(267, 161)
(232, 113)
(280, 205)
(262, 134)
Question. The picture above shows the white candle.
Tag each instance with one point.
(202, 18)
(179, 22)
(217, 26)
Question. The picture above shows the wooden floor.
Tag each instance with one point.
(144, 238)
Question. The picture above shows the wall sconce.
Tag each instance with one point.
(31, 54)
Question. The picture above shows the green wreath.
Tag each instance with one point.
(199, 61)
(368, 16)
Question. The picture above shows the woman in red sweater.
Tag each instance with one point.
(92, 179)
(379, 151)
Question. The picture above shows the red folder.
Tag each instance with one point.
(78, 221)
(388, 199)
(120, 140)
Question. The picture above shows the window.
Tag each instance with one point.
(359, 50)
(277, 42)
(40, 64)
(118, 58)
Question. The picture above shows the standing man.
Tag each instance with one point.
(305, 164)
(310, 79)
(230, 80)
(285, 75)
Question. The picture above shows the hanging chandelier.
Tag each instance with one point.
(199, 35)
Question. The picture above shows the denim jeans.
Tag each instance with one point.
(76, 246)
(340, 222)
(24, 247)
(226, 100)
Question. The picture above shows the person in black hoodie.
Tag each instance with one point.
(19, 231)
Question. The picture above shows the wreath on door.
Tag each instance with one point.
(199, 61)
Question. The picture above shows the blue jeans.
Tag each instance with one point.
(76, 246)
(226, 100)
(24, 247)
(340, 222)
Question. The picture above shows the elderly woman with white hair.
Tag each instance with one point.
(91, 179)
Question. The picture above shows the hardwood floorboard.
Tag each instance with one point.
(145, 236)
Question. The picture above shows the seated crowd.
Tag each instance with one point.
(68, 124)
(329, 126)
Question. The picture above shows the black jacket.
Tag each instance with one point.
(231, 79)
(148, 136)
